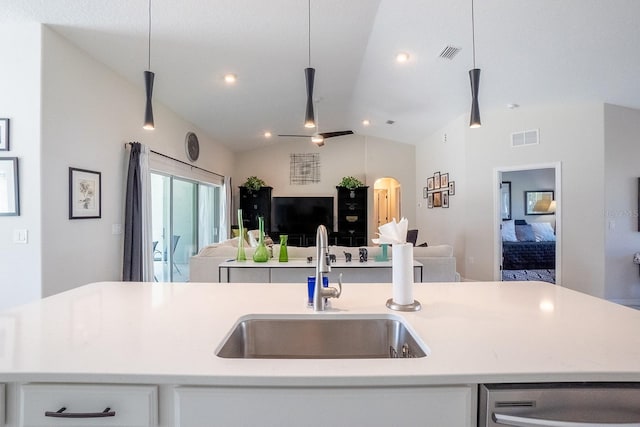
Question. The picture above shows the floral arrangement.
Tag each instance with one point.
(254, 183)
(350, 183)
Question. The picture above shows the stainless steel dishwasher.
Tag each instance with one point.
(559, 405)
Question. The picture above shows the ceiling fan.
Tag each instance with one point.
(319, 138)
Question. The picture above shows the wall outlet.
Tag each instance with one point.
(21, 236)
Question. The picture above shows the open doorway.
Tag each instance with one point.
(386, 200)
(528, 223)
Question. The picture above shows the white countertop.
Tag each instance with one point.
(168, 333)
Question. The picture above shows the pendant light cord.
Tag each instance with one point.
(149, 40)
(473, 35)
(309, 28)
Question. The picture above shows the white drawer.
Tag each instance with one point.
(130, 406)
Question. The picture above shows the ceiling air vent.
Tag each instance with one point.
(449, 52)
(527, 137)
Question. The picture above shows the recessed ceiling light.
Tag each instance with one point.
(267, 134)
(366, 122)
(230, 78)
(402, 57)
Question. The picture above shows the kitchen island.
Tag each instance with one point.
(161, 339)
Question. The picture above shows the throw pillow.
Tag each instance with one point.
(509, 231)
(543, 232)
(524, 233)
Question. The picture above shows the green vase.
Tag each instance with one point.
(240, 256)
(284, 254)
(261, 254)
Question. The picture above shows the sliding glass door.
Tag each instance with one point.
(185, 217)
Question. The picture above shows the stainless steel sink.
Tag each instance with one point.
(321, 337)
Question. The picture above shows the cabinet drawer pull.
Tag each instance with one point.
(61, 414)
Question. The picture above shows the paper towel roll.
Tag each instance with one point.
(402, 268)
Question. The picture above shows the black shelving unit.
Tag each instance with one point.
(352, 216)
(255, 203)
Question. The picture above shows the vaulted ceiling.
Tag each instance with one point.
(531, 52)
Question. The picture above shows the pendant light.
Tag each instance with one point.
(474, 77)
(309, 74)
(148, 83)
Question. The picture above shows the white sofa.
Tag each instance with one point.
(439, 264)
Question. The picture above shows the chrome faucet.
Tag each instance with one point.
(323, 265)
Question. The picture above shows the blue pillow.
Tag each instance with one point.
(524, 233)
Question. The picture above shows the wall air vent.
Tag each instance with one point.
(449, 52)
(527, 137)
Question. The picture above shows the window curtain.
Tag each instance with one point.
(138, 254)
(205, 216)
(225, 207)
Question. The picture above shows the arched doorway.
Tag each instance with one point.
(387, 197)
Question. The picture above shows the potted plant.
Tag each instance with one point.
(350, 183)
(254, 183)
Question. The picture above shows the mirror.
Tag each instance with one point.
(505, 199)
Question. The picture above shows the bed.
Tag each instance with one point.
(528, 246)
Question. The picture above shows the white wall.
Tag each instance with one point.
(445, 155)
(363, 157)
(20, 270)
(570, 134)
(622, 157)
(89, 113)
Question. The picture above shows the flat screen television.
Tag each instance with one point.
(301, 215)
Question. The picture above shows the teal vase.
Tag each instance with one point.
(261, 254)
(240, 255)
(284, 254)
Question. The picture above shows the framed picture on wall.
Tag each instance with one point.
(9, 189)
(85, 194)
(436, 180)
(437, 199)
(539, 202)
(444, 180)
(430, 183)
(452, 188)
(445, 198)
(430, 200)
(424, 192)
(4, 134)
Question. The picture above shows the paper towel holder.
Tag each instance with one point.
(414, 306)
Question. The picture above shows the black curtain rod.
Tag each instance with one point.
(180, 161)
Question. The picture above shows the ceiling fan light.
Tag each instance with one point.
(148, 111)
(318, 140)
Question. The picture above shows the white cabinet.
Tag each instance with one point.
(2, 409)
(445, 406)
(100, 405)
